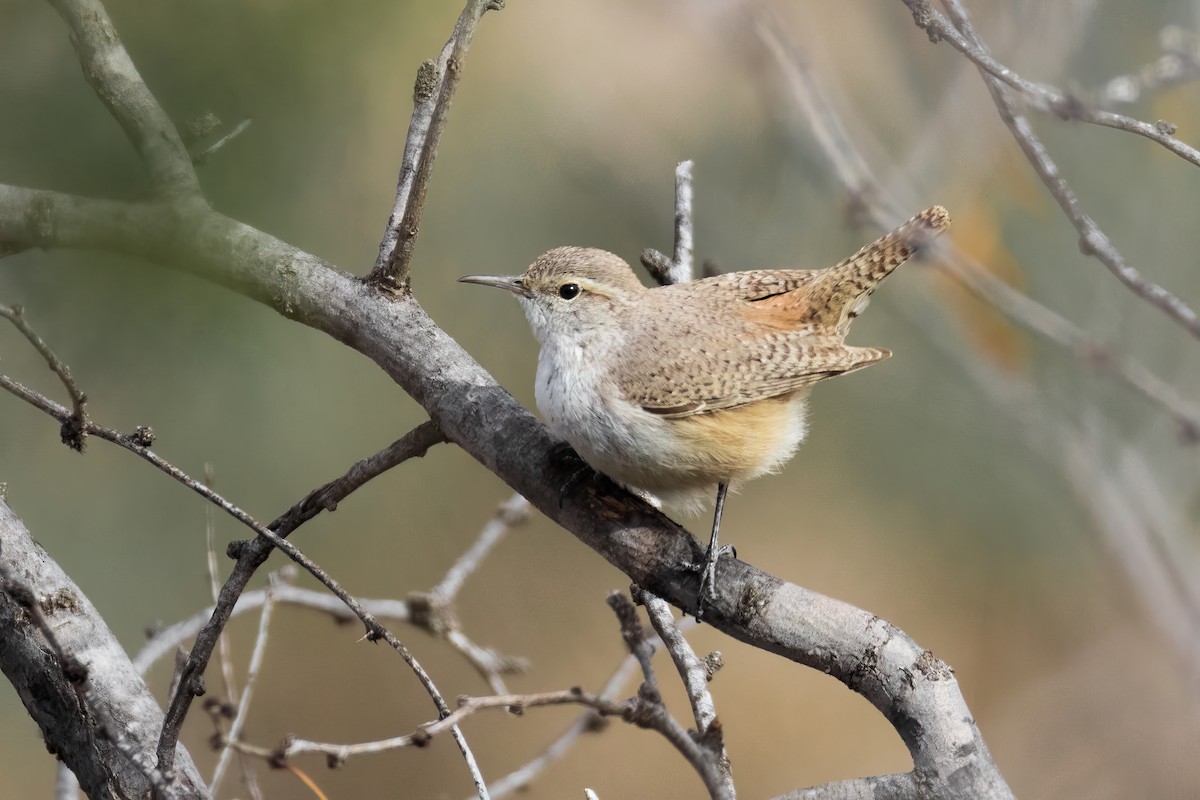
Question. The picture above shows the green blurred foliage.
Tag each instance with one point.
(914, 497)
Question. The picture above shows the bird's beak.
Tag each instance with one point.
(512, 283)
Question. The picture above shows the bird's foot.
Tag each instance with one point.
(708, 576)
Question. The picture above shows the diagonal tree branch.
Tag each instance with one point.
(874, 204)
(99, 718)
(116, 81)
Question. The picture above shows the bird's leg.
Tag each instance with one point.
(708, 571)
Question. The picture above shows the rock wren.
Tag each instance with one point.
(680, 390)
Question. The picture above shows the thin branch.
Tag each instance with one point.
(224, 655)
(1042, 97)
(692, 671)
(203, 155)
(512, 512)
(870, 202)
(166, 640)
(116, 81)
(681, 267)
(1179, 63)
(74, 430)
(684, 267)
(1093, 240)
(243, 704)
(434, 89)
(695, 675)
(589, 722)
(649, 711)
(338, 754)
(414, 444)
(900, 786)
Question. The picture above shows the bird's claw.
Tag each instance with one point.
(708, 576)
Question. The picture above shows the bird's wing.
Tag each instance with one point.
(696, 372)
(748, 336)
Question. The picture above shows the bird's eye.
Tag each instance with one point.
(568, 291)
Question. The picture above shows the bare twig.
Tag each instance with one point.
(74, 430)
(692, 670)
(243, 704)
(587, 722)
(683, 267)
(695, 675)
(649, 711)
(680, 268)
(1043, 97)
(189, 685)
(337, 754)
(872, 205)
(434, 89)
(414, 444)
(1093, 240)
(1179, 63)
(224, 655)
(166, 640)
(116, 81)
(512, 512)
(203, 155)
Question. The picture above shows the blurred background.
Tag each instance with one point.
(1017, 509)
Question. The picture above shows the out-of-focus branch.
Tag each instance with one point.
(512, 512)
(432, 93)
(243, 703)
(692, 671)
(190, 684)
(872, 204)
(1041, 96)
(1179, 63)
(252, 554)
(75, 680)
(999, 78)
(680, 267)
(116, 81)
(202, 156)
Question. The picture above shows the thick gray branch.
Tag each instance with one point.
(96, 724)
(916, 692)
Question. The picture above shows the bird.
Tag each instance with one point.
(681, 391)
